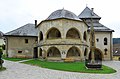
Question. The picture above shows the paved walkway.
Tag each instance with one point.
(16, 70)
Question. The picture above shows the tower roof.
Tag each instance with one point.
(62, 13)
(88, 13)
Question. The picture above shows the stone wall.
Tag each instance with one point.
(63, 44)
(18, 48)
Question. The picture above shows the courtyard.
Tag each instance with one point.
(24, 71)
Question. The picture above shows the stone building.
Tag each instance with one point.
(21, 41)
(62, 35)
(116, 49)
(103, 35)
(65, 35)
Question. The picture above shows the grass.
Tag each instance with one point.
(3, 68)
(72, 67)
(14, 59)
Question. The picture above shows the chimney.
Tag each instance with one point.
(92, 11)
(35, 23)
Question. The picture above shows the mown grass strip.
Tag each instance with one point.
(15, 59)
(72, 67)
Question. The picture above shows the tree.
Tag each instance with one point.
(1, 52)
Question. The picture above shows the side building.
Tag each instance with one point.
(21, 42)
(116, 49)
(103, 34)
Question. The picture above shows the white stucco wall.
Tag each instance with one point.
(100, 43)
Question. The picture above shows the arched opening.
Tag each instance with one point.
(40, 52)
(35, 53)
(85, 52)
(105, 41)
(85, 36)
(41, 36)
(98, 55)
(73, 52)
(53, 33)
(73, 33)
(53, 52)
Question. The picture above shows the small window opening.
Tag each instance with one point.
(19, 51)
(26, 40)
(97, 40)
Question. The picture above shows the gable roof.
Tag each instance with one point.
(26, 30)
(88, 13)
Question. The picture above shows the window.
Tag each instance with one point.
(41, 36)
(36, 41)
(105, 41)
(26, 40)
(85, 36)
(97, 40)
(105, 51)
(19, 51)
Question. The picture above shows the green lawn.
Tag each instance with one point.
(72, 67)
(15, 59)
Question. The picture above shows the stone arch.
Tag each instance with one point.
(98, 54)
(53, 33)
(85, 36)
(73, 33)
(73, 52)
(53, 52)
(40, 36)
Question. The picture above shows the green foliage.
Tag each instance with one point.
(72, 67)
(3, 47)
(1, 51)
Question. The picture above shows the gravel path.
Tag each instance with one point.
(16, 70)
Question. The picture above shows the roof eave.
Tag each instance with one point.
(101, 30)
(20, 36)
(57, 19)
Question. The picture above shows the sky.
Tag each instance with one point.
(16, 13)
